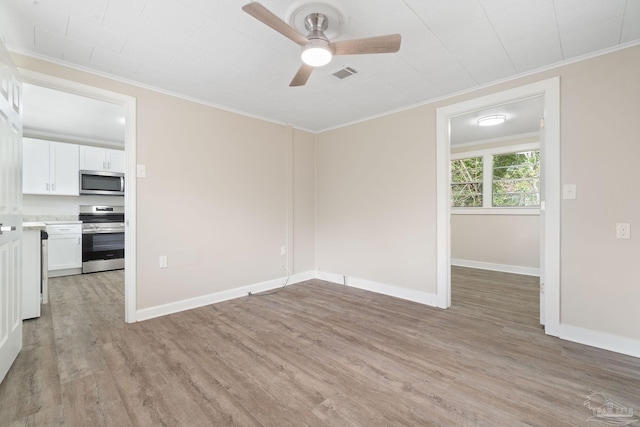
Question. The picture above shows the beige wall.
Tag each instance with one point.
(304, 208)
(215, 196)
(512, 240)
(376, 194)
(600, 131)
(375, 216)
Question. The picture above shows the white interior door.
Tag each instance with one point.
(543, 216)
(10, 212)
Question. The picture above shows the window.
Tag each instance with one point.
(466, 182)
(516, 179)
(508, 177)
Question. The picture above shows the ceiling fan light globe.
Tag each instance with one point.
(316, 54)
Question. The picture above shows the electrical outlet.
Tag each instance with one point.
(569, 191)
(623, 230)
(141, 171)
(162, 261)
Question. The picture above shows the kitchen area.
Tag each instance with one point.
(73, 190)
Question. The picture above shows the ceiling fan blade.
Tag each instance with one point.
(301, 76)
(381, 44)
(265, 16)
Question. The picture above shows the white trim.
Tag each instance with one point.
(191, 303)
(506, 149)
(487, 181)
(619, 344)
(481, 142)
(496, 211)
(515, 269)
(129, 104)
(379, 288)
(131, 208)
(550, 88)
(443, 209)
(54, 136)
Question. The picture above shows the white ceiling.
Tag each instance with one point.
(62, 115)
(213, 52)
(522, 117)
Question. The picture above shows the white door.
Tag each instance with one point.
(10, 212)
(543, 216)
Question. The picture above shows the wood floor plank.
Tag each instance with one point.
(34, 380)
(315, 354)
(95, 398)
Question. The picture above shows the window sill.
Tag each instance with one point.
(495, 211)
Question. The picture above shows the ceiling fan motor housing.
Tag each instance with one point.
(316, 24)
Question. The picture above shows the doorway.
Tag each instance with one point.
(129, 105)
(550, 194)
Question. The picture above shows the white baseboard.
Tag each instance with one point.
(516, 269)
(380, 288)
(597, 339)
(601, 340)
(191, 303)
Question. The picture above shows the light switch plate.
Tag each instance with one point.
(141, 171)
(569, 191)
(162, 261)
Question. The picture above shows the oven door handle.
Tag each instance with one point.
(104, 231)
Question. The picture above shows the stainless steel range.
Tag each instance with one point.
(102, 238)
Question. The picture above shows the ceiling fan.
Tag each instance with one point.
(317, 50)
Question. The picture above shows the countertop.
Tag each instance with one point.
(41, 225)
(34, 225)
(62, 222)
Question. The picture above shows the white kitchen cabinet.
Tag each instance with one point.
(50, 168)
(65, 249)
(101, 159)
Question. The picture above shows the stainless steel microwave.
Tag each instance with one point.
(102, 182)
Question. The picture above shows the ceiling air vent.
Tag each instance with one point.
(343, 73)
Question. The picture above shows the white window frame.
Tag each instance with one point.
(487, 180)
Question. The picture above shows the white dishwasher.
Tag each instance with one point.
(65, 249)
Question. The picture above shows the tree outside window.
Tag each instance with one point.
(514, 180)
(466, 182)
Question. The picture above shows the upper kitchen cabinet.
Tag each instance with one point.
(50, 168)
(101, 159)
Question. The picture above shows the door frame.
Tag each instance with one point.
(550, 151)
(129, 104)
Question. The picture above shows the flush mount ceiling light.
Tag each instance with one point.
(496, 119)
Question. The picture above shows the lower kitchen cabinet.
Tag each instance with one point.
(65, 249)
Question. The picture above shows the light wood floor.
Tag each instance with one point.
(313, 354)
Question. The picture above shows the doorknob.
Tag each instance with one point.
(4, 228)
